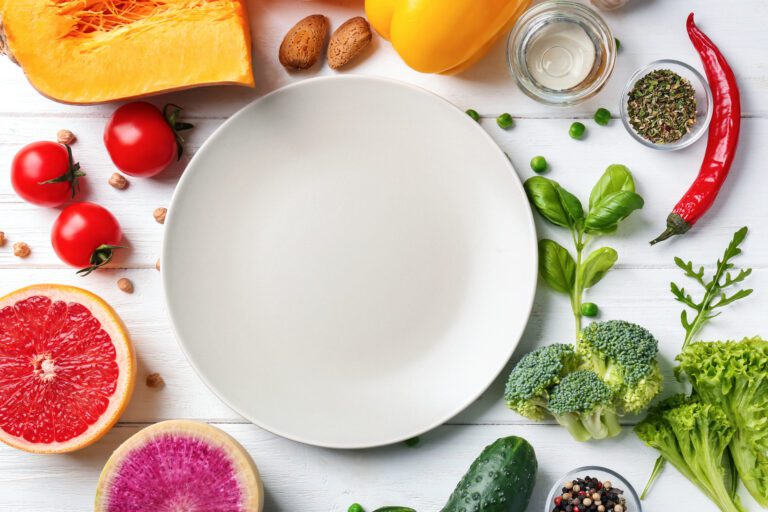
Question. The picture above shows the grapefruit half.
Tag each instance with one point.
(67, 368)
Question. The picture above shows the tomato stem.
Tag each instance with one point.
(171, 114)
(100, 257)
(72, 174)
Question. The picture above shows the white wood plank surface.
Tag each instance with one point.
(302, 478)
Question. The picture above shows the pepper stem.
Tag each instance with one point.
(675, 226)
(100, 257)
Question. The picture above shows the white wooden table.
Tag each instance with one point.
(304, 478)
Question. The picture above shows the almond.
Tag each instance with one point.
(348, 41)
(303, 44)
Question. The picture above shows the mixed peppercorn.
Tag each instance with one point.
(590, 495)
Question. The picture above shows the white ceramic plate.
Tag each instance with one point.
(349, 261)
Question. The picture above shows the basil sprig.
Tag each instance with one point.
(612, 200)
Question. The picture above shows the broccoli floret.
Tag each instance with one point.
(583, 404)
(694, 436)
(734, 377)
(528, 386)
(623, 354)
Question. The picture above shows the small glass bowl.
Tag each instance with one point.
(538, 17)
(602, 474)
(703, 103)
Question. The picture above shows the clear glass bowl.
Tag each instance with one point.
(703, 103)
(602, 474)
(537, 18)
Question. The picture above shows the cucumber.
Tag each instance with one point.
(501, 479)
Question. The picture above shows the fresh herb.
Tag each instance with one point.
(662, 106)
(613, 198)
(618, 44)
(473, 114)
(505, 121)
(715, 296)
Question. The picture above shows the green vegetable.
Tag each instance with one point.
(539, 164)
(602, 116)
(733, 376)
(473, 114)
(589, 309)
(714, 288)
(618, 44)
(612, 371)
(412, 441)
(577, 129)
(623, 354)
(501, 479)
(613, 198)
(355, 507)
(694, 436)
(505, 121)
(532, 378)
(583, 404)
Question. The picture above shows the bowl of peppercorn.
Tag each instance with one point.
(666, 105)
(592, 489)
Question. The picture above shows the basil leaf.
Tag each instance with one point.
(596, 265)
(605, 216)
(616, 178)
(553, 202)
(557, 266)
(572, 207)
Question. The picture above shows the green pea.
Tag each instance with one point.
(412, 441)
(539, 164)
(505, 121)
(602, 116)
(473, 114)
(618, 44)
(576, 131)
(355, 507)
(589, 309)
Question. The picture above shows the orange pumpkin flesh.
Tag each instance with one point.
(92, 51)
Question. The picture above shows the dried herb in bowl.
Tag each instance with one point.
(662, 106)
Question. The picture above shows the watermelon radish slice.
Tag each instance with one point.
(67, 368)
(180, 466)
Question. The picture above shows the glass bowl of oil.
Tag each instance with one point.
(561, 52)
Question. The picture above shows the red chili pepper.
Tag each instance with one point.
(722, 141)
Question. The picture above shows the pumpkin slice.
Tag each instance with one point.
(92, 51)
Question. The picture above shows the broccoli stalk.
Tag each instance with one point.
(734, 377)
(583, 404)
(694, 437)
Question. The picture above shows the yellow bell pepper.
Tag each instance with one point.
(443, 36)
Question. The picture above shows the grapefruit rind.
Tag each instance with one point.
(243, 467)
(125, 358)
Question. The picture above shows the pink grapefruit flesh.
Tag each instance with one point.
(66, 368)
(180, 466)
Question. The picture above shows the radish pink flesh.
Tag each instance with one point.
(173, 472)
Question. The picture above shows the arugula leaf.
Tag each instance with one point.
(715, 295)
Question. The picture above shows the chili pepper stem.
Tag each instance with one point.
(675, 226)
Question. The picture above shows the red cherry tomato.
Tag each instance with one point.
(44, 173)
(142, 140)
(85, 235)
